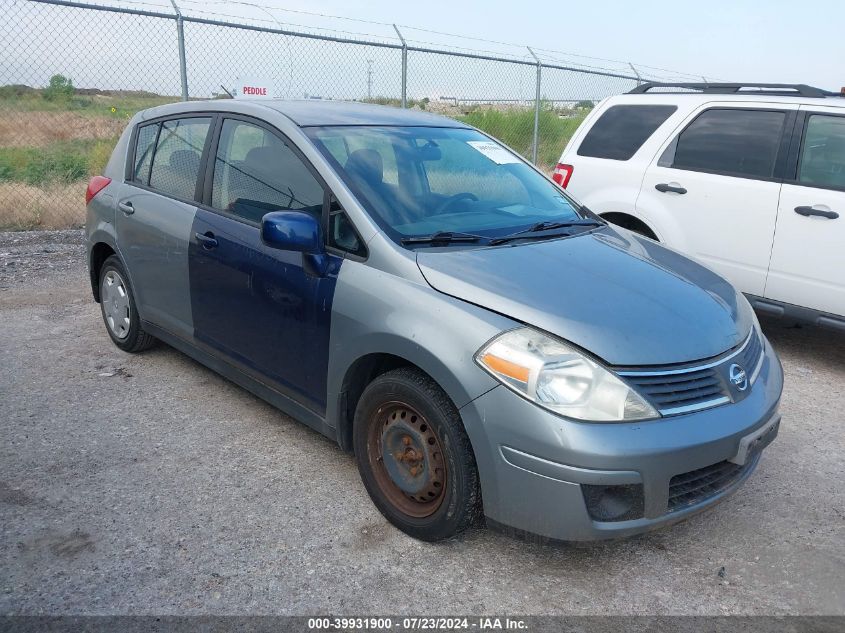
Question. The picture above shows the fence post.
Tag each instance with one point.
(637, 73)
(404, 68)
(180, 33)
(535, 144)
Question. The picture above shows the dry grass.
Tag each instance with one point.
(38, 129)
(57, 206)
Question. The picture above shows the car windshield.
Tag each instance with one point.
(422, 181)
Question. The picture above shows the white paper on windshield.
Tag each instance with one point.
(494, 152)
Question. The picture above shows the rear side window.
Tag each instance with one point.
(823, 153)
(731, 142)
(622, 130)
(256, 173)
(176, 163)
(144, 153)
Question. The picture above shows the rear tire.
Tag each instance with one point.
(117, 305)
(414, 456)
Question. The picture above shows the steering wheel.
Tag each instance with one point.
(448, 202)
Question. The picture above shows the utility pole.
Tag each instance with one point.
(369, 79)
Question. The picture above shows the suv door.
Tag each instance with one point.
(808, 258)
(262, 308)
(713, 188)
(157, 203)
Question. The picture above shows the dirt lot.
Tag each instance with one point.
(147, 484)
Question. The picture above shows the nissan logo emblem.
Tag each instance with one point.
(738, 377)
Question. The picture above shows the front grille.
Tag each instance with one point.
(690, 488)
(681, 389)
(749, 356)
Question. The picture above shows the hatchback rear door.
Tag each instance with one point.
(808, 258)
(713, 187)
(156, 207)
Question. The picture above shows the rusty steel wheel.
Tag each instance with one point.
(414, 455)
(407, 460)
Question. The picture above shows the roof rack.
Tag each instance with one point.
(795, 90)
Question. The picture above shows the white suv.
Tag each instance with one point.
(748, 178)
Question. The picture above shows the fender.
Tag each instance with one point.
(374, 312)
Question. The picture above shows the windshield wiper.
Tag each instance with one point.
(544, 226)
(443, 237)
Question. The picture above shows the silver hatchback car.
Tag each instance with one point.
(404, 284)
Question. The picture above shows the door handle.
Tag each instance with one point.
(126, 207)
(663, 188)
(808, 211)
(207, 239)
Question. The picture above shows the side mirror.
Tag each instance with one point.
(292, 231)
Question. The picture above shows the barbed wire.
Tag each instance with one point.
(555, 56)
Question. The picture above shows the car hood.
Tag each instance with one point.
(626, 299)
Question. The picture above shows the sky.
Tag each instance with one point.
(742, 40)
(746, 40)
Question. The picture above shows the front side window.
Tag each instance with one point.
(420, 180)
(176, 163)
(256, 173)
(823, 152)
(731, 142)
(621, 130)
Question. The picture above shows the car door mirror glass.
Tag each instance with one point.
(292, 231)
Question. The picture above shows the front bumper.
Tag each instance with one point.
(534, 465)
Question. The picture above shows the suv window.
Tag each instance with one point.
(823, 153)
(176, 163)
(621, 130)
(732, 142)
(256, 173)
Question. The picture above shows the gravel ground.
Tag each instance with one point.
(149, 485)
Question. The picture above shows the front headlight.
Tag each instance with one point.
(558, 377)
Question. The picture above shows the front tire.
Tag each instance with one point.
(414, 456)
(117, 305)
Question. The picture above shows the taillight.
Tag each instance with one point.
(562, 174)
(95, 186)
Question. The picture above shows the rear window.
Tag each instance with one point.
(176, 163)
(823, 154)
(622, 130)
(731, 142)
(144, 153)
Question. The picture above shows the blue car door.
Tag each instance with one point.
(261, 308)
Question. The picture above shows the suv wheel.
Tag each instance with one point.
(414, 456)
(631, 223)
(117, 303)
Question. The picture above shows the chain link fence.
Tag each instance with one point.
(72, 74)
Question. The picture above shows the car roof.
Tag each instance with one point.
(696, 98)
(313, 112)
(310, 112)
